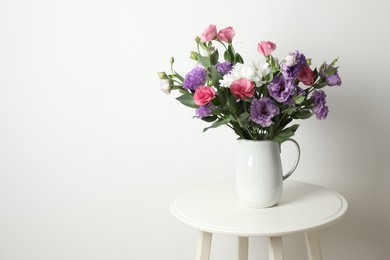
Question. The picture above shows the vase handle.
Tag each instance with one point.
(285, 176)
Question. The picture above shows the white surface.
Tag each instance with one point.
(259, 173)
(215, 208)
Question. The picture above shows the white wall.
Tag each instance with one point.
(91, 151)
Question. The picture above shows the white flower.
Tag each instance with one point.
(262, 70)
(290, 59)
(240, 71)
(165, 86)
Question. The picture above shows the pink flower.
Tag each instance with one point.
(306, 75)
(209, 33)
(242, 88)
(226, 35)
(203, 95)
(266, 48)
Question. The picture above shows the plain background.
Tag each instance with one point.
(91, 151)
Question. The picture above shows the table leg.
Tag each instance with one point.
(204, 246)
(313, 245)
(275, 248)
(243, 243)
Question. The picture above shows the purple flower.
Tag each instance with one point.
(224, 67)
(206, 110)
(332, 79)
(195, 78)
(294, 61)
(263, 110)
(281, 89)
(320, 109)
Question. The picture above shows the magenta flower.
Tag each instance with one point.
(203, 95)
(242, 88)
(258, 100)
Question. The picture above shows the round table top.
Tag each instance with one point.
(215, 208)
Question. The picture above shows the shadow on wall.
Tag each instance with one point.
(360, 127)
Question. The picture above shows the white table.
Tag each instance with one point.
(214, 209)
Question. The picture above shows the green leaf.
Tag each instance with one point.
(331, 70)
(334, 62)
(293, 127)
(187, 99)
(243, 119)
(299, 99)
(217, 123)
(239, 58)
(232, 53)
(272, 62)
(280, 138)
(315, 71)
(227, 56)
(214, 57)
(222, 95)
(269, 77)
(285, 134)
(232, 104)
(205, 61)
(209, 118)
(289, 111)
(303, 114)
(320, 85)
(177, 75)
(215, 76)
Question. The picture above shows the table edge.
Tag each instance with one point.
(263, 233)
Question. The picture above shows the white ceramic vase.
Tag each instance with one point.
(259, 175)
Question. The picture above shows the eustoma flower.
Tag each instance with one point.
(195, 78)
(242, 88)
(281, 89)
(258, 100)
(294, 62)
(306, 76)
(226, 35)
(224, 67)
(240, 71)
(205, 110)
(319, 100)
(333, 79)
(165, 86)
(266, 48)
(262, 111)
(203, 95)
(209, 33)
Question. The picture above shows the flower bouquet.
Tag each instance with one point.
(257, 100)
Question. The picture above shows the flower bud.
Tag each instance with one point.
(290, 60)
(162, 75)
(194, 55)
(165, 86)
(212, 49)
